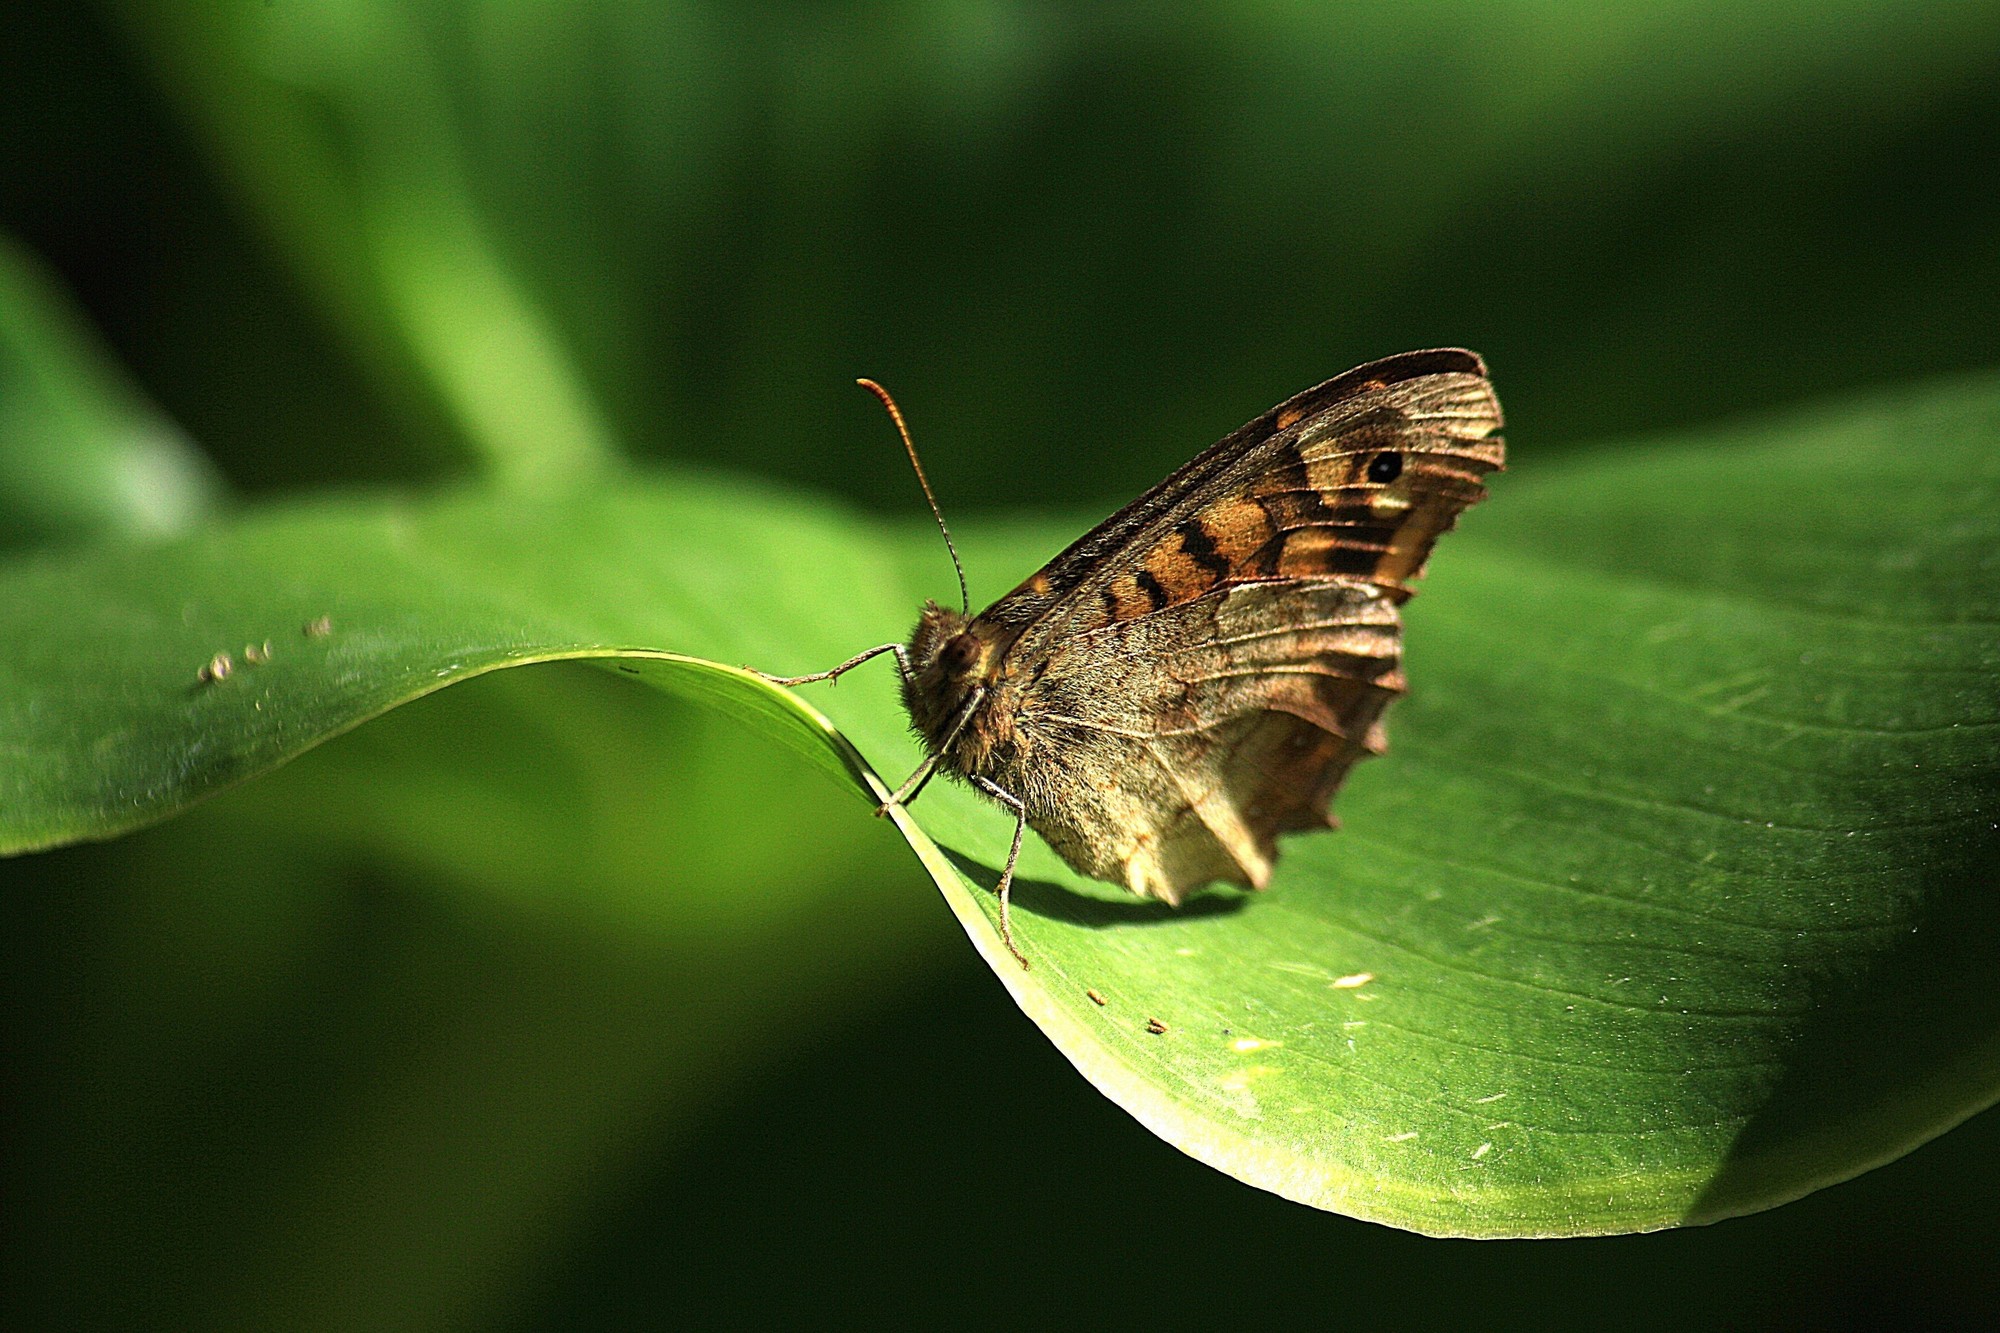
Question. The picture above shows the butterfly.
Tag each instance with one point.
(1196, 675)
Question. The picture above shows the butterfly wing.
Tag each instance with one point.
(1286, 495)
(1169, 750)
(1196, 675)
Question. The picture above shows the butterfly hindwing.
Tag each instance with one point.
(1169, 751)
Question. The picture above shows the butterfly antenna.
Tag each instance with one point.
(896, 415)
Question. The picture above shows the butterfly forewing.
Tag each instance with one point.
(1286, 496)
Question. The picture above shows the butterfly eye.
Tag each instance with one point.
(1385, 468)
(961, 654)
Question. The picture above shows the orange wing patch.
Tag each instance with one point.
(1202, 553)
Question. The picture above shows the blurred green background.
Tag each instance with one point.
(433, 1029)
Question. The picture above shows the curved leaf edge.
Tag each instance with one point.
(810, 734)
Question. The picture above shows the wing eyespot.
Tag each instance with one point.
(1385, 467)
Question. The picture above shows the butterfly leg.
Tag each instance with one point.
(914, 784)
(902, 666)
(1012, 802)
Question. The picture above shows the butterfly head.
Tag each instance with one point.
(952, 662)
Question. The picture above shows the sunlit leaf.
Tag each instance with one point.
(1672, 900)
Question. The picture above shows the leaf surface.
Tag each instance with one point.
(1672, 900)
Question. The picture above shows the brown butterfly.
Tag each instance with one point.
(1195, 675)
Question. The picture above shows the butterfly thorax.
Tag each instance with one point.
(955, 660)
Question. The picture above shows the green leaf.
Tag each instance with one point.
(113, 718)
(1672, 900)
(81, 451)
